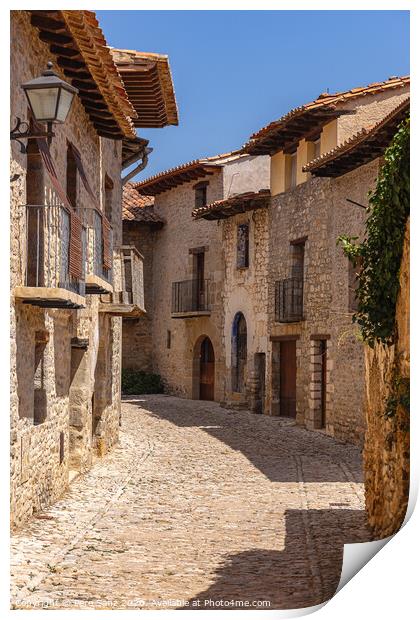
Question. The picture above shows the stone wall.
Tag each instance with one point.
(52, 384)
(368, 110)
(387, 444)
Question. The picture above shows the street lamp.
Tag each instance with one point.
(49, 99)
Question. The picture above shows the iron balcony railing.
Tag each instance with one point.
(289, 300)
(97, 245)
(190, 296)
(47, 249)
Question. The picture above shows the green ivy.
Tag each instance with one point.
(381, 251)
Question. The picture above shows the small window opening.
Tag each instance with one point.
(242, 248)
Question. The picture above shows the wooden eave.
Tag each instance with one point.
(229, 207)
(177, 176)
(289, 132)
(112, 123)
(361, 149)
(274, 136)
(132, 150)
(148, 82)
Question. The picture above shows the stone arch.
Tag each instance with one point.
(203, 369)
(238, 352)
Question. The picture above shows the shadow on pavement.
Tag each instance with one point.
(271, 444)
(307, 572)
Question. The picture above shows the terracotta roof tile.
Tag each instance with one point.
(138, 208)
(85, 30)
(365, 146)
(271, 137)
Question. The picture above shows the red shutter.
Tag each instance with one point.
(75, 247)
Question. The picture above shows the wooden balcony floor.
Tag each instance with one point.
(45, 297)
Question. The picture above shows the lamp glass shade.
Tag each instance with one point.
(43, 102)
(49, 97)
(64, 104)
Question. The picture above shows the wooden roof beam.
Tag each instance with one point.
(54, 37)
(47, 23)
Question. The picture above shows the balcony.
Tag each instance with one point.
(99, 276)
(289, 300)
(190, 298)
(53, 258)
(129, 302)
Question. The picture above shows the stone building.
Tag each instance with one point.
(315, 363)
(71, 278)
(184, 327)
(276, 294)
(140, 226)
(387, 441)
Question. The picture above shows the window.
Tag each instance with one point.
(109, 189)
(317, 147)
(35, 215)
(293, 168)
(168, 339)
(242, 246)
(200, 194)
(40, 393)
(198, 280)
(71, 177)
(297, 258)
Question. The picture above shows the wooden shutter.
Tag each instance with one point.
(82, 173)
(75, 247)
(106, 244)
(49, 166)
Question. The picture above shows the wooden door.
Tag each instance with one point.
(323, 353)
(199, 280)
(206, 370)
(288, 378)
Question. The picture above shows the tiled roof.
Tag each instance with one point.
(148, 81)
(298, 121)
(184, 173)
(239, 203)
(78, 43)
(94, 49)
(138, 208)
(363, 147)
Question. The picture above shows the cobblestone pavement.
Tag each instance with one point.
(197, 504)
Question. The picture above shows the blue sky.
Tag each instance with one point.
(235, 71)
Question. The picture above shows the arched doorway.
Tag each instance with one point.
(239, 352)
(206, 370)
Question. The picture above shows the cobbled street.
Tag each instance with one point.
(198, 506)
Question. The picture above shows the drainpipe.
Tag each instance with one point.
(144, 154)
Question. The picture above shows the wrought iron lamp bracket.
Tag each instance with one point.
(21, 131)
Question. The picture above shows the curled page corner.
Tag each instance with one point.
(356, 556)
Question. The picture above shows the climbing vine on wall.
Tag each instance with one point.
(381, 251)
